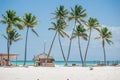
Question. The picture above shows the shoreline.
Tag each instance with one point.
(61, 63)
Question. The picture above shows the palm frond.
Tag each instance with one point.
(12, 36)
(17, 19)
(20, 26)
(70, 18)
(33, 19)
(109, 41)
(3, 22)
(61, 34)
(83, 21)
(85, 36)
(105, 35)
(10, 18)
(104, 30)
(60, 12)
(5, 37)
(17, 39)
(30, 20)
(4, 17)
(83, 15)
(64, 33)
(53, 18)
(78, 13)
(35, 32)
(98, 29)
(73, 36)
(55, 27)
(97, 37)
(52, 28)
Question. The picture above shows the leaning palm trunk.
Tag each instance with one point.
(26, 46)
(51, 47)
(87, 47)
(70, 46)
(66, 64)
(80, 50)
(104, 52)
(61, 48)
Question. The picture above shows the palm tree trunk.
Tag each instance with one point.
(8, 49)
(87, 47)
(70, 45)
(51, 47)
(26, 46)
(61, 48)
(68, 52)
(80, 50)
(103, 45)
(8, 41)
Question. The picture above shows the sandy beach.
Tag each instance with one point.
(59, 73)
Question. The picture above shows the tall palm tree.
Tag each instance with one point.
(60, 15)
(11, 37)
(80, 32)
(30, 22)
(77, 14)
(11, 19)
(60, 32)
(105, 35)
(91, 24)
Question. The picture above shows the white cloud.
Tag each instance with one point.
(115, 36)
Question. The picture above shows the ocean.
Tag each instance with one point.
(62, 63)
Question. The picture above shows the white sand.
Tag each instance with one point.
(59, 73)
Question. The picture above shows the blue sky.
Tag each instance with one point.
(106, 11)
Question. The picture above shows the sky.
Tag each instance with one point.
(106, 11)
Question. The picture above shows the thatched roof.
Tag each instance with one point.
(42, 56)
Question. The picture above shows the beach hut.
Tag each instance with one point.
(4, 59)
(40, 60)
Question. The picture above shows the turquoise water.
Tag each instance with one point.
(61, 63)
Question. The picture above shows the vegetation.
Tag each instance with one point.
(105, 35)
(30, 22)
(82, 28)
(77, 14)
(80, 32)
(11, 37)
(91, 24)
(11, 19)
(59, 26)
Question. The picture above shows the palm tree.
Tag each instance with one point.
(77, 14)
(60, 32)
(11, 37)
(30, 22)
(60, 15)
(91, 24)
(80, 32)
(105, 35)
(11, 20)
